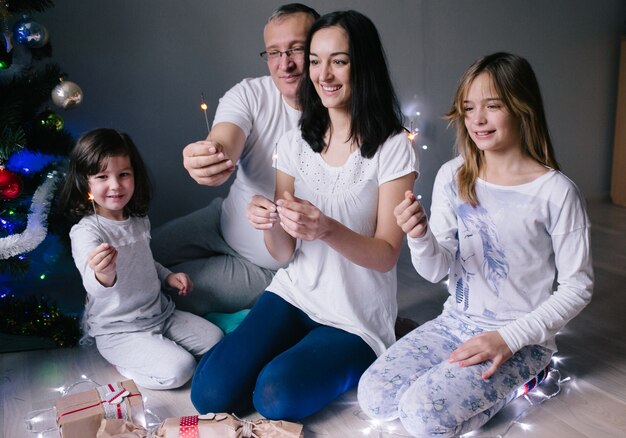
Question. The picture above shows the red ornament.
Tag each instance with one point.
(11, 184)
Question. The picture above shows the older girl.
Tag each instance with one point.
(504, 224)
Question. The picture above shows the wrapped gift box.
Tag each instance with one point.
(226, 426)
(79, 415)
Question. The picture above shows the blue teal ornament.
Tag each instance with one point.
(29, 33)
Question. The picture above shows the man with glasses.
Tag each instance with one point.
(225, 257)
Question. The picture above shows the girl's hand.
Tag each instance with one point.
(410, 216)
(301, 219)
(180, 281)
(261, 213)
(102, 261)
(480, 348)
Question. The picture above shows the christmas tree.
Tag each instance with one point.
(33, 150)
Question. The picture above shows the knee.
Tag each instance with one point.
(212, 388)
(421, 417)
(374, 400)
(179, 372)
(207, 397)
(211, 336)
(170, 377)
(277, 398)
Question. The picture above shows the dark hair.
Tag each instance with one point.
(374, 107)
(515, 82)
(89, 157)
(293, 8)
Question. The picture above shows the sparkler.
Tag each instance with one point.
(412, 134)
(275, 158)
(93, 203)
(204, 107)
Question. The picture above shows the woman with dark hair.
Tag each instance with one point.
(328, 314)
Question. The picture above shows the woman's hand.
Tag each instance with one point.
(480, 348)
(261, 213)
(301, 219)
(410, 216)
(180, 281)
(102, 259)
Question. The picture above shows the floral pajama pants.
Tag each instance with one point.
(414, 381)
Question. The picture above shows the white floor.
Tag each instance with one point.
(591, 404)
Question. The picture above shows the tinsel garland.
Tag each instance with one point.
(37, 225)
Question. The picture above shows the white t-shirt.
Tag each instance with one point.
(134, 302)
(504, 255)
(328, 287)
(257, 107)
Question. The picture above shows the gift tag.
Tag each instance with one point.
(212, 416)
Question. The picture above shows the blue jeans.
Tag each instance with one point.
(280, 360)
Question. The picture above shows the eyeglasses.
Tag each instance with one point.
(274, 55)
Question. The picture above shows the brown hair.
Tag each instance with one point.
(516, 84)
(90, 156)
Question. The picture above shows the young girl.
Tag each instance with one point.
(331, 311)
(135, 326)
(505, 223)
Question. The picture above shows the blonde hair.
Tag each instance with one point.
(516, 84)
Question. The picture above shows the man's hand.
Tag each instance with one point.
(207, 163)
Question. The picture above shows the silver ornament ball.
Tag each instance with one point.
(67, 95)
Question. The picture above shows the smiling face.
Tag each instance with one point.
(329, 67)
(284, 33)
(113, 187)
(489, 123)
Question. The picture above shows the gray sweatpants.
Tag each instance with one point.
(414, 381)
(224, 281)
(163, 357)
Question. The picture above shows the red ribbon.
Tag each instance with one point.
(188, 427)
(119, 412)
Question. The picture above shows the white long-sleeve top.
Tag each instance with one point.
(504, 256)
(135, 301)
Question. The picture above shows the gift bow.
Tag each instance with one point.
(111, 397)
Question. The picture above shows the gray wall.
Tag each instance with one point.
(143, 64)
